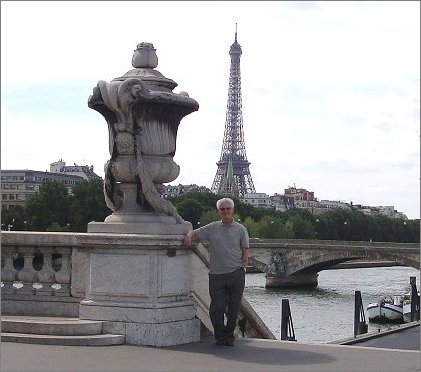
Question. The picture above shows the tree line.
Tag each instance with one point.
(52, 208)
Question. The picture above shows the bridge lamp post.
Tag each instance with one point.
(317, 228)
(346, 230)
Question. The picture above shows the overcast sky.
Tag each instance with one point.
(331, 90)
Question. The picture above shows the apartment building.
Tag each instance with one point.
(258, 199)
(19, 185)
(281, 202)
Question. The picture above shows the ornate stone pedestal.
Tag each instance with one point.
(140, 283)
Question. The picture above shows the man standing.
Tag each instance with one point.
(228, 250)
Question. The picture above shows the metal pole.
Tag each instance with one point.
(415, 300)
(287, 327)
(360, 325)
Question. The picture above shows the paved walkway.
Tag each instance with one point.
(246, 355)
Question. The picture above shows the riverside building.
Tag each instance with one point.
(19, 185)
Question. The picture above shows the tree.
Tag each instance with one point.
(15, 218)
(190, 209)
(87, 204)
(251, 226)
(50, 204)
(209, 216)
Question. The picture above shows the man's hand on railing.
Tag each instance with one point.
(187, 241)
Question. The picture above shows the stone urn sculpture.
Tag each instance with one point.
(143, 115)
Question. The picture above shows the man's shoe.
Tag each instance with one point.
(229, 341)
(220, 341)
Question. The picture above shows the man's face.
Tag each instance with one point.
(226, 211)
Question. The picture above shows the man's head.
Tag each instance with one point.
(225, 207)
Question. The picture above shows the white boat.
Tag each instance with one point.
(386, 310)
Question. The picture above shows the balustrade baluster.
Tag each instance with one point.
(46, 274)
(28, 273)
(8, 272)
(63, 275)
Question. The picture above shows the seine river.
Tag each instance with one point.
(326, 313)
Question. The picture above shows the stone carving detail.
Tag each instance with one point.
(277, 263)
(143, 115)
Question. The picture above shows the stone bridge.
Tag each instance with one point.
(49, 274)
(294, 262)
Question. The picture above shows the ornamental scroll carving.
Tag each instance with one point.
(143, 116)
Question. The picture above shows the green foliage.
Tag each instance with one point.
(56, 227)
(87, 204)
(209, 216)
(15, 217)
(190, 209)
(252, 227)
(302, 227)
(51, 204)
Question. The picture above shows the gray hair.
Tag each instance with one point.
(225, 200)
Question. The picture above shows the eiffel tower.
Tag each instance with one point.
(233, 175)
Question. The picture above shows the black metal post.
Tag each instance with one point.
(415, 300)
(287, 327)
(360, 325)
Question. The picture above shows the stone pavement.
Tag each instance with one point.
(247, 355)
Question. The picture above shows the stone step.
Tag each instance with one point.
(92, 340)
(59, 326)
(56, 331)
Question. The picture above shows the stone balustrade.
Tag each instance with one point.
(36, 270)
(36, 274)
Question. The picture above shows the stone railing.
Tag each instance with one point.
(36, 274)
(44, 270)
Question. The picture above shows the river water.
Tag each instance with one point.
(326, 313)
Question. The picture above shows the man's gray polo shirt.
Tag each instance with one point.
(225, 243)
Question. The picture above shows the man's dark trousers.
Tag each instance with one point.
(225, 290)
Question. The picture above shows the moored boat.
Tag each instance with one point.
(386, 310)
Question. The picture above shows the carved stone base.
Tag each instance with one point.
(143, 289)
(307, 280)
